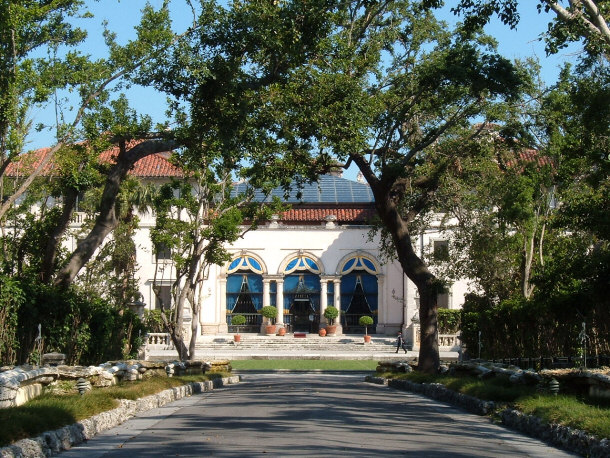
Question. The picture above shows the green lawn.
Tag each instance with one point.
(303, 364)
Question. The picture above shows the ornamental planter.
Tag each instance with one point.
(281, 331)
(331, 329)
(270, 329)
(237, 338)
(322, 332)
(367, 339)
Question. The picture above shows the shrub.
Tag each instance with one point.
(269, 312)
(331, 313)
(238, 320)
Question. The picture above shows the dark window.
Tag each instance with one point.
(441, 250)
(442, 301)
(163, 297)
(162, 252)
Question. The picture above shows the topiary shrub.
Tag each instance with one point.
(365, 321)
(330, 313)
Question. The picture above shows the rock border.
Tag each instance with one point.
(564, 437)
(53, 442)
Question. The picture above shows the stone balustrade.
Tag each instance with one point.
(159, 341)
(447, 342)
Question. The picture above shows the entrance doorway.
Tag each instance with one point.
(304, 317)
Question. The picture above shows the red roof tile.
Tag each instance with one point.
(362, 215)
(155, 165)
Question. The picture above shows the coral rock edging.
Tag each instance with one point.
(52, 442)
(560, 436)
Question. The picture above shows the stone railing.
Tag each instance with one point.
(159, 341)
(447, 342)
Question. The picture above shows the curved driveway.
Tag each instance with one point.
(309, 415)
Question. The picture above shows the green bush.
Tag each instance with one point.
(331, 313)
(269, 311)
(449, 321)
(238, 320)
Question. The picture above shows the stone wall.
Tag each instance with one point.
(52, 442)
(20, 384)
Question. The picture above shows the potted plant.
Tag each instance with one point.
(366, 321)
(330, 313)
(238, 321)
(270, 313)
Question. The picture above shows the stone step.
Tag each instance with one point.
(312, 342)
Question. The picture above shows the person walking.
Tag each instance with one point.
(400, 343)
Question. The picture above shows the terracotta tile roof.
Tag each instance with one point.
(344, 214)
(153, 166)
(528, 156)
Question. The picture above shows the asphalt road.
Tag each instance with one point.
(309, 415)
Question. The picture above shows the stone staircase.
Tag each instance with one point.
(309, 343)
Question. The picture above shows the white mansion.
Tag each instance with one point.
(320, 252)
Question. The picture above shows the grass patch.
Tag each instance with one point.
(590, 415)
(580, 412)
(303, 364)
(53, 411)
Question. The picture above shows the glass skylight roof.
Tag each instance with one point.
(329, 189)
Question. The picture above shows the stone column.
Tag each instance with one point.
(337, 303)
(279, 300)
(221, 306)
(382, 306)
(323, 300)
(266, 295)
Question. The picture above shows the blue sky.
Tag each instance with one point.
(122, 16)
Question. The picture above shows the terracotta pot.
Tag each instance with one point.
(367, 339)
(322, 332)
(237, 338)
(281, 331)
(331, 329)
(270, 329)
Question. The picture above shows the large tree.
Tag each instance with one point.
(394, 92)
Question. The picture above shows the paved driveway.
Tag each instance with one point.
(309, 415)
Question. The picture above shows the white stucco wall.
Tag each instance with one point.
(275, 246)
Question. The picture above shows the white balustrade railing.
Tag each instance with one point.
(445, 341)
(159, 340)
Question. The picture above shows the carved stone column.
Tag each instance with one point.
(337, 303)
(323, 300)
(279, 300)
(221, 306)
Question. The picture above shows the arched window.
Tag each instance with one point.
(245, 289)
(359, 290)
(302, 294)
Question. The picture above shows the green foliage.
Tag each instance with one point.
(238, 320)
(269, 312)
(449, 321)
(578, 21)
(331, 313)
(365, 321)
(11, 299)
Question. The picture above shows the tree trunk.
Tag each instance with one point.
(417, 271)
(48, 263)
(107, 221)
